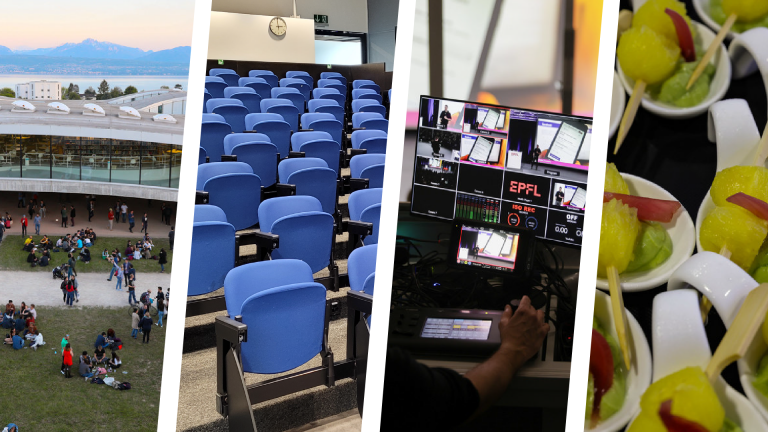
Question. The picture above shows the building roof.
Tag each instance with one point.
(76, 124)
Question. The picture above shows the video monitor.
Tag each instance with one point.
(481, 247)
(516, 167)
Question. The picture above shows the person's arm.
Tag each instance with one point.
(521, 337)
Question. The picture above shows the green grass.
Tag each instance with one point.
(12, 257)
(42, 399)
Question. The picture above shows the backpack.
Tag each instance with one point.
(124, 386)
(144, 298)
(97, 380)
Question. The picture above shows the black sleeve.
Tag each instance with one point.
(417, 397)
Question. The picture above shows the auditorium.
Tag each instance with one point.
(288, 196)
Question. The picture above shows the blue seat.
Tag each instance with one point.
(305, 76)
(334, 84)
(370, 166)
(215, 86)
(292, 94)
(368, 105)
(273, 126)
(297, 84)
(260, 85)
(329, 93)
(366, 84)
(284, 108)
(206, 97)
(370, 120)
(266, 75)
(374, 141)
(366, 93)
(256, 150)
(389, 96)
(232, 110)
(312, 177)
(284, 311)
(246, 95)
(228, 75)
(323, 122)
(306, 231)
(209, 213)
(212, 254)
(233, 187)
(202, 156)
(212, 132)
(318, 144)
(327, 106)
(361, 267)
(365, 206)
(334, 75)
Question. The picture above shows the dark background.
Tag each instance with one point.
(677, 155)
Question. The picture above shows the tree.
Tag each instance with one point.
(72, 96)
(103, 89)
(90, 92)
(165, 87)
(178, 86)
(116, 92)
(7, 92)
(71, 88)
(131, 90)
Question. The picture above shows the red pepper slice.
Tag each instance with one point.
(648, 209)
(684, 36)
(601, 367)
(757, 206)
(674, 423)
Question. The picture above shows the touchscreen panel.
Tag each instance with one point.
(455, 328)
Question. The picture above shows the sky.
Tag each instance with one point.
(146, 24)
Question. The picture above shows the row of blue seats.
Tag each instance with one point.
(369, 131)
(255, 103)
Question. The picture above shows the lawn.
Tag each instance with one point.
(45, 400)
(12, 257)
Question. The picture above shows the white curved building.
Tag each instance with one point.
(87, 152)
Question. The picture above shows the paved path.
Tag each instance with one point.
(42, 290)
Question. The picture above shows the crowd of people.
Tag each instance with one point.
(21, 324)
(76, 246)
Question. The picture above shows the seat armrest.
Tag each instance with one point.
(201, 197)
(207, 159)
(354, 152)
(357, 129)
(295, 154)
(285, 189)
(358, 227)
(230, 330)
(265, 240)
(360, 301)
(229, 158)
(356, 184)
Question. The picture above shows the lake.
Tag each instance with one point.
(141, 82)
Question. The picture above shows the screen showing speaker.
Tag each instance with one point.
(505, 165)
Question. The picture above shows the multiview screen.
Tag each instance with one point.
(487, 248)
(522, 168)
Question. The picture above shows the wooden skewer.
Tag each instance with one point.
(713, 47)
(625, 22)
(619, 314)
(629, 113)
(742, 333)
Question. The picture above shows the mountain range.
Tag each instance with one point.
(91, 48)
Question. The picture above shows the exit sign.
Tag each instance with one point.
(321, 19)
(221, 62)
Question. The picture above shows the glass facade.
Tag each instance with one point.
(92, 159)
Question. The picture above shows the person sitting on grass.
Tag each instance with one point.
(11, 428)
(29, 315)
(129, 249)
(9, 337)
(10, 308)
(32, 258)
(29, 244)
(137, 254)
(19, 325)
(85, 366)
(105, 254)
(38, 341)
(101, 341)
(45, 242)
(115, 362)
(45, 259)
(99, 356)
(29, 333)
(85, 255)
(22, 309)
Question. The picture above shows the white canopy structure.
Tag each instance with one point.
(93, 109)
(128, 112)
(22, 106)
(165, 118)
(58, 108)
